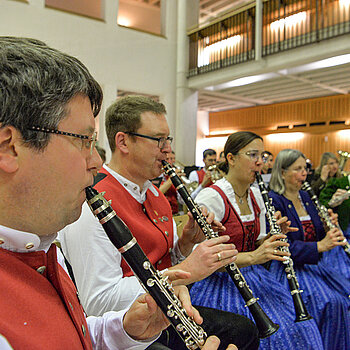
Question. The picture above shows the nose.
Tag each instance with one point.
(95, 161)
(167, 147)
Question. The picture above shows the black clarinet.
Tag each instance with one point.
(152, 280)
(323, 214)
(264, 324)
(299, 306)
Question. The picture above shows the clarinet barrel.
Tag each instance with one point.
(264, 324)
(152, 280)
(299, 306)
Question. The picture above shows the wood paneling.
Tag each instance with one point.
(264, 121)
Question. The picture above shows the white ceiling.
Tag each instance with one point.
(284, 86)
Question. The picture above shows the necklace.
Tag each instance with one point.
(240, 198)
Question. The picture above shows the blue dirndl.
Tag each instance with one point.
(218, 291)
(326, 296)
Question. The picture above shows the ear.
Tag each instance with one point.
(231, 159)
(9, 139)
(121, 142)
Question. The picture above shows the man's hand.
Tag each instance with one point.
(206, 178)
(213, 343)
(145, 320)
(192, 234)
(208, 257)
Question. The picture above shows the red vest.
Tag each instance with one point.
(171, 196)
(151, 223)
(201, 174)
(233, 223)
(39, 311)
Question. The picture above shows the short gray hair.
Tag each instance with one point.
(283, 161)
(36, 84)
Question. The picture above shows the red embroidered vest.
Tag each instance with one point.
(39, 310)
(235, 228)
(150, 223)
(201, 174)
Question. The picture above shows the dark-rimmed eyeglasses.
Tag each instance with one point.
(162, 141)
(87, 142)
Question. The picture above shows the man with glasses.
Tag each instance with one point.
(48, 102)
(138, 135)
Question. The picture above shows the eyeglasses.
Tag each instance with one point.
(87, 142)
(253, 155)
(161, 140)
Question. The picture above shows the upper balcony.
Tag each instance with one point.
(255, 34)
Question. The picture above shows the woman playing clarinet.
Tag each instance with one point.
(326, 291)
(241, 209)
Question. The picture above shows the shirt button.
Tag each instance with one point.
(166, 233)
(307, 203)
(289, 206)
(41, 269)
(29, 245)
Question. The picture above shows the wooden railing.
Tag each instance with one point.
(286, 24)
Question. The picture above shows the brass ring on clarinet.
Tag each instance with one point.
(219, 257)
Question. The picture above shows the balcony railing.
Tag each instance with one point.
(286, 24)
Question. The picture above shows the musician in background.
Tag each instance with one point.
(336, 195)
(241, 209)
(326, 286)
(328, 169)
(221, 157)
(48, 101)
(167, 186)
(267, 158)
(138, 135)
(203, 176)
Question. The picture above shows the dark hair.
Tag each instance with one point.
(36, 84)
(209, 152)
(125, 115)
(239, 140)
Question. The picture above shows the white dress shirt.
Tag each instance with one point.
(106, 332)
(211, 199)
(96, 262)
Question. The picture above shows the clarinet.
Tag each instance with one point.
(323, 214)
(152, 280)
(264, 324)
(299, 306)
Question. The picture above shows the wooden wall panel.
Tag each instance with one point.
(316, 140)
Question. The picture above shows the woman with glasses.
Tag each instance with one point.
(326, 291)
(241, 210)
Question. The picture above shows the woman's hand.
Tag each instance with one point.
(268, 250)
(333, 238)
(284, 223)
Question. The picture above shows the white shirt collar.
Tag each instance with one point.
(24, 242)
(131, 187)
